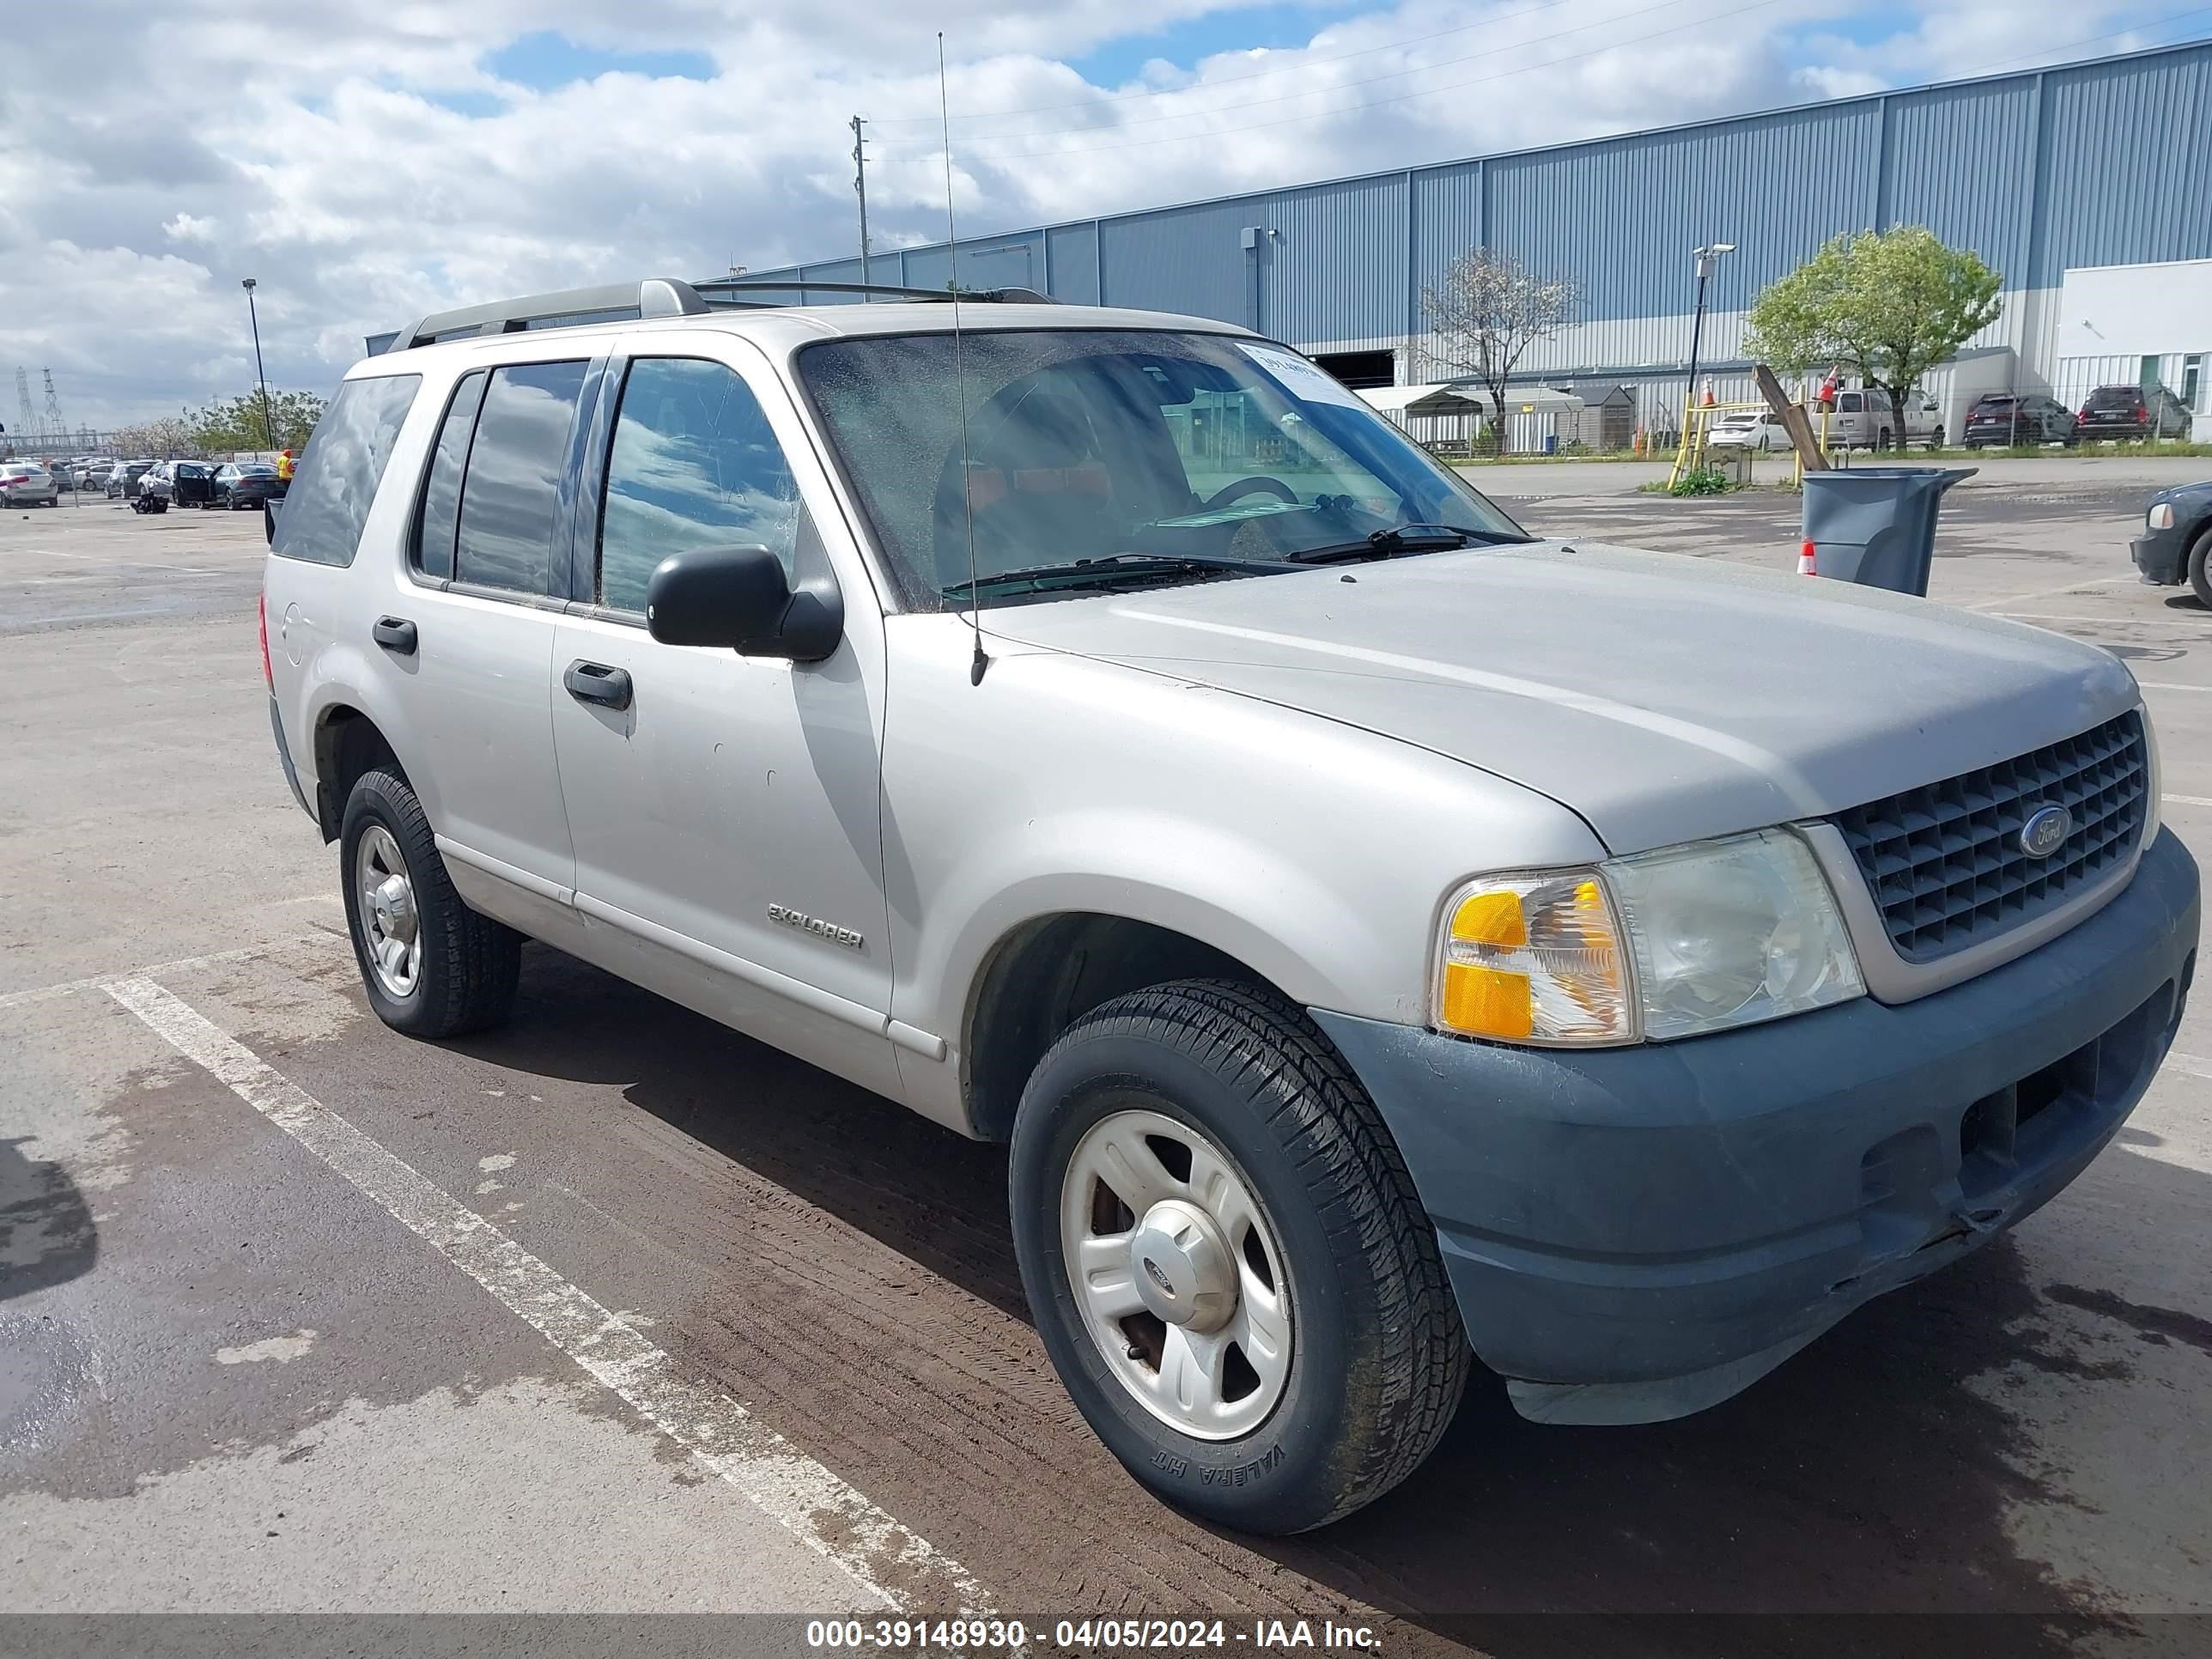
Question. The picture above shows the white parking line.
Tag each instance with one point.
(2187, 801)
(820, 1508)
(182, 964)
(2108, 622)
(2189, 1063)
(2169, 685)
(2050, 593)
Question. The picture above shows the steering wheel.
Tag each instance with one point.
(1242, 487)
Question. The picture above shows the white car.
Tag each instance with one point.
(1749, 429)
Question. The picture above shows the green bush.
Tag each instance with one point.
(1701, 481)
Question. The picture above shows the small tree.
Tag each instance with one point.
(163, 439)
(238, 424)
(1890, 304)
(1489, 310)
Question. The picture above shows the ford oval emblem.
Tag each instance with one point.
(2045, 831)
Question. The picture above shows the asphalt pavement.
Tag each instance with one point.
(614, 1311)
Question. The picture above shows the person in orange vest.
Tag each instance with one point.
(284, 467)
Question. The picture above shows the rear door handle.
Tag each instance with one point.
(394, 634)
(594, 682)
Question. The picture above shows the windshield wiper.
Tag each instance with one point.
(1400, 539)
(1109, 568)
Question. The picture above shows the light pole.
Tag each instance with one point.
(268, 425)
(1708, 256)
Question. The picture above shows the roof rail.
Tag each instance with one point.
(1015, 296)
(655, 296)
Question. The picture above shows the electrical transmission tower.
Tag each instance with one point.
(57, 427)
(30, 419)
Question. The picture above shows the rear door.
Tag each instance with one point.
(725, 815)
(472, 643)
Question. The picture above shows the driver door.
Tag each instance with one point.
(724, 809)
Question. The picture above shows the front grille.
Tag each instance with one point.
(1944, 861)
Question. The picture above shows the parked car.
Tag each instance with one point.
(1360, 984)
(191, 484)
(2176, 540)
(2008, 419)
(26, 484)
(2132, 414)
(94, 476)
(1749, 429)
(243, 484)
(1864, 418)
(124, 479)
(154, 490)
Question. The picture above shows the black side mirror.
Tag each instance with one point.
(738, 598)
(269, 520)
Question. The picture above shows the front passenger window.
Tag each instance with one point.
(694, 464)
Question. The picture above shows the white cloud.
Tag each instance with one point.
(316, 150)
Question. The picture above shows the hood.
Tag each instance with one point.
(1663, 698)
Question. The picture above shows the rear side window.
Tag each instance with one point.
(336, 483)
(511, 497)
(441, 516)
(1847, 402)
(694, 464)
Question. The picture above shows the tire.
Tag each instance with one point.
(2199, 580)
(464, 972)
(1936, 439)
(1377, 1359)
(1883, 442)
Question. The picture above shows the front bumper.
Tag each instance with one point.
(1635, 1234)
(2161, 557)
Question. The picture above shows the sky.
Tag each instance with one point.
(368, 160)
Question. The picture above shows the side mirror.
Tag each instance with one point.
(269, 520)
(738, 598)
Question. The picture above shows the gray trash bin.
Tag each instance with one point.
(1875, 526)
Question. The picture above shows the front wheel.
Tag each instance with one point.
(1226, 1259)
(433, 968)
(2199, 580)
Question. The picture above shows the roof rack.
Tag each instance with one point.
(1011, 296)
(655, 296)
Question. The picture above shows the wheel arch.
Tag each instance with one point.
(1046, 973)
(348, 743)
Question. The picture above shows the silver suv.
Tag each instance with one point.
(1385, 938)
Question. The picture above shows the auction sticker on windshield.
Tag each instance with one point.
(1298, 377)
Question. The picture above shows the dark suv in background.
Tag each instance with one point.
(2132, 414)
(2004, 419)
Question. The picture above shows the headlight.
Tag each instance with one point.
(2160, 516)
(1664, 945)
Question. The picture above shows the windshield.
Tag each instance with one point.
(1086, 444)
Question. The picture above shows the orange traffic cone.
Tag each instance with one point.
(1805, 561)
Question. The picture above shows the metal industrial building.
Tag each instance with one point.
(2088, 187)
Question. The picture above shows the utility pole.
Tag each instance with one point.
(861, 189)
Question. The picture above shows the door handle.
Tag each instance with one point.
(594, 682)
(394, 634)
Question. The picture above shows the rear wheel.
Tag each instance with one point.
(433, 968)
(1227, 1261)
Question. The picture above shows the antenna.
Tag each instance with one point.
(959, 370)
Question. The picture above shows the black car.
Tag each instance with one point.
(242, 484)
(2129, 414)
(2005, 419)
(191, 484)
(2176, 540)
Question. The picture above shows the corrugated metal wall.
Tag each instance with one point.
(2097, 163)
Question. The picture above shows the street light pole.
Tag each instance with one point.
(1708, 256)
(267, 424)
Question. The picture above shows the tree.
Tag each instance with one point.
(1890, 304)
(1488, 311)
(237, 422)
(163, 439)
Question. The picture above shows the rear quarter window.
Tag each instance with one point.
(334, 484)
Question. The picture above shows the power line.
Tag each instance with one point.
(1373, 103)
(1230, 80)
(1372, 80)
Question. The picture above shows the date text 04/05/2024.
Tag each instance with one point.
(1085, 1634)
